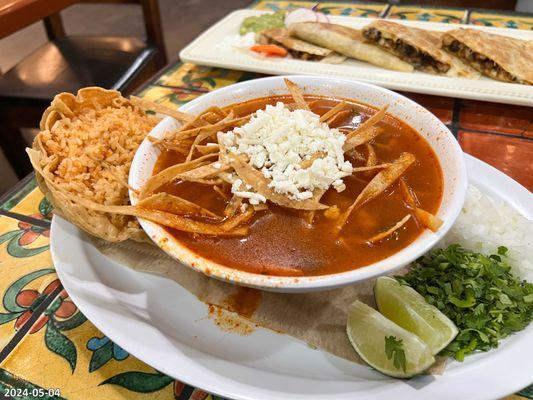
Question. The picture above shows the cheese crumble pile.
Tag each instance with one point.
(278, 141)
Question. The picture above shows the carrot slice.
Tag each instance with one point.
(269, 50)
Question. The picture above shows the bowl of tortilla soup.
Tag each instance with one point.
(298, 183)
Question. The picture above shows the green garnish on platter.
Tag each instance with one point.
(263, 22)
(395, 352)
(477, 292)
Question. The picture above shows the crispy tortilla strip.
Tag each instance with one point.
(307, 163)
(222, 194)
(175, 137)
(159, 108)
(207, 133)
(370, 122)
(228, 177)
(234, 221)
(297, 95)
(251, 176)
(260, 207)
(310, 215)
(428, 220)
(333, 212)
(349, 42)
(372, 167)
(213, 115)
(203, 172)
(362, 137)
(211, 182)
(407, 194)
(226, 228)
(496, 56)
(232, 206)
(169, 174)
(338, 117)
(425, 218)
(197, 122)
(333, 111)
(207, 148)
(371, 158)
(175, 205)
(366, 131)
(378, 184)
(91, 221)
(181, 147)
(390, 231)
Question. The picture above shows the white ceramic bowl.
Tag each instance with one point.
(426, 124)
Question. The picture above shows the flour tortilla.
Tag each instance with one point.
(515, 56)
(298, 48)
(349, 42)
(458, 67)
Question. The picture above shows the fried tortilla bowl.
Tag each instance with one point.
(83, 153)
(207, 160)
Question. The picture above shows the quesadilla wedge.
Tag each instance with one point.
(412, 45)
(498, 57)
(347, 41)
(457, 66)
(298, 48)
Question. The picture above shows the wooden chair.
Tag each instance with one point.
(67, 63)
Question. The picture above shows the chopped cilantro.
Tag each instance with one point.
(394, 351)
(478, 293)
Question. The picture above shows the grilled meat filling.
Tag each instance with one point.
(480, 62)
(419, 59)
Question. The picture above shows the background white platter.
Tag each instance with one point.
(159, 322)
(204, 50)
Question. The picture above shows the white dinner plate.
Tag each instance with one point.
(159, 322)
(206, 50)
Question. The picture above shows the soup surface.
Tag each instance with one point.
(281, 242)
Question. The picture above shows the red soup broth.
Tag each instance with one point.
(280, 240)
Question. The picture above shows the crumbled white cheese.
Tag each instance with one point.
(253, 198)
(236, 186)
(277, 140)
(217, 165)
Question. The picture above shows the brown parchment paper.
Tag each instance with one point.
(317, 318)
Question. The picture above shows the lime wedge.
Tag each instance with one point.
(370, 332)
(405, 306)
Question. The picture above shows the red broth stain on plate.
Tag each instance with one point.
(229, 321)
(244, 301)
(233, 314)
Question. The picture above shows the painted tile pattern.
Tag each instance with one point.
(52, 344)
(352, 8)
(501, 20)
(445, 15)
